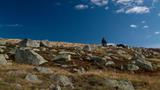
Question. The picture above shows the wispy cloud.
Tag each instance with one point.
(129, 2)
(145, 27)
(133, 26)
(11, 25)
(99, 2)
(106, 8)
(122, 10)
(158, 14)
(81, 7)
(92, 4)
(58, 4)
(154, 2)
(157, 33)
(138, 10)
(143, 22)
(132, 6)
(121, 6)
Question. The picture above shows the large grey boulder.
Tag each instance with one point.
(29, 43)
(61, 59)
(32, 78)
(141, 61)
(3, 43)
(45, 43)
(143, 64)
(28, 56)
(62, 80)
(98, 60)
(113, 84)
(3, 60)
(87, 48)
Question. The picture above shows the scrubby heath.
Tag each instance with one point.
(43, 65)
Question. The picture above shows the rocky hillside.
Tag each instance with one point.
(43, 65)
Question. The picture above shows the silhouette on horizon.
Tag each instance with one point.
(104, 42)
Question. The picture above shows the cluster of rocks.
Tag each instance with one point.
(113, 84)
(34, 43)
(39, 53)
(58, 81)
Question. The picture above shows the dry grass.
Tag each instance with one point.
(91, 80)
(150, 82)
(143, 81)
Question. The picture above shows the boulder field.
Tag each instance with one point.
(43, 65)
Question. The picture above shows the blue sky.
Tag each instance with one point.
(133, 22)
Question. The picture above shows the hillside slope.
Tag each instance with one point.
(43, 65)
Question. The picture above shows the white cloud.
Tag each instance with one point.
(154, 2)
(133, 26)
(58, 4)
(129, 2)
(158, 14)
(146, 26)
(81, 7)
(92, 4)
(138, 10)
(157, 33)
(100, 2)
(14, 25)
(125, 2)
(11, 25)
(120, 10)
(106, 8)
(139, 2)
(132, 6)
(121, 6)
(143, 22)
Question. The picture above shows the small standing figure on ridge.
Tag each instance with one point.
(104, 42)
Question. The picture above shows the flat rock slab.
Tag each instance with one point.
(43, 70)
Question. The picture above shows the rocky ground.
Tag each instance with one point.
(43, 65)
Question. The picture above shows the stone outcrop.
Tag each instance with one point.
(76, 66)
(113, 84)
(61, 59)
(45, 43)
(32, 78)
(62, 80)
(43, 70)
(3, 60)
(146, 65)
(28, 56)
(29, 43)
